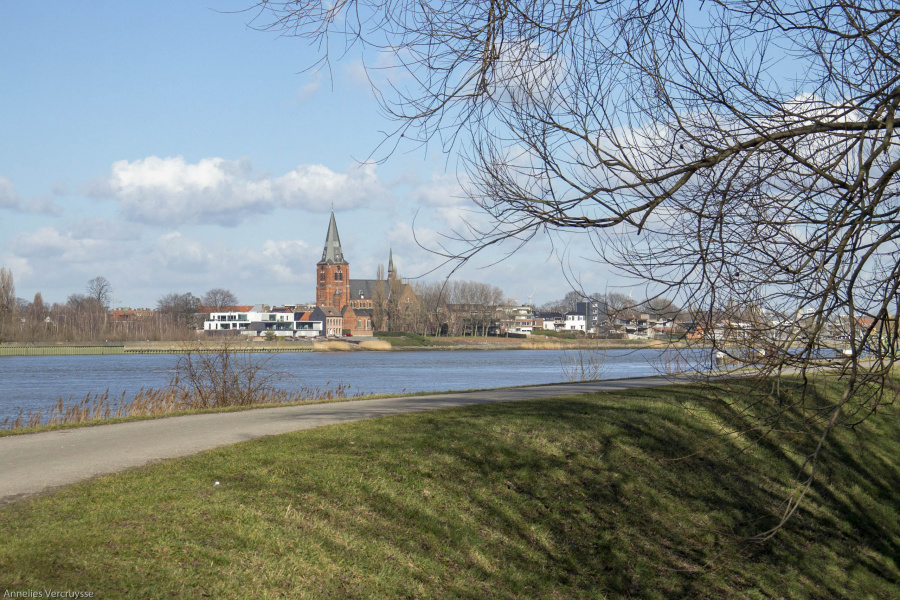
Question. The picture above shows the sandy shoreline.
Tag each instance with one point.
(351, 344)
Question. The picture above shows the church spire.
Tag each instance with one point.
(332, 254)
(391, 272)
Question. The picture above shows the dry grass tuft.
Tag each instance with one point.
(152, 402)
(375, 345)
(333, 346)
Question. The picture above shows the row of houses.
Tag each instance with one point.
(289, 321)
(586, 319)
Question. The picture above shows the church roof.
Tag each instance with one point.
(365, 288)
(332, 254)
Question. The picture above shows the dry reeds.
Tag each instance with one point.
(375, 345)
(152, 402)
(333, 346)
(221, 379)
(584, 364)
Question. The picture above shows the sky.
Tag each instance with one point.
(169, 146)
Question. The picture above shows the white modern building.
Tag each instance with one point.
(259, 322)
(575, 321)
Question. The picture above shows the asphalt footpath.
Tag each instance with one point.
(38, 462)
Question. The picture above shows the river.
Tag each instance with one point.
(37, 382)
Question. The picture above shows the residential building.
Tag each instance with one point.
(259, 322)
(332, 319)
(515, 319)
(576, 320)
(594, 314)
(550, 321)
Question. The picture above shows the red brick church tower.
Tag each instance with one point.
(333, 272)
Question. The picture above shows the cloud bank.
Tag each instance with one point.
(11, 200)
(170, 191)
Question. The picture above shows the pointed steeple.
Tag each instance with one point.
(332, 254)
(391, 271)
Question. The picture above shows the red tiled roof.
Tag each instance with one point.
(235, 308)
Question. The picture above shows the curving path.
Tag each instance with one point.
(33, 463)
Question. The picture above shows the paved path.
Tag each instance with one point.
(36, 462)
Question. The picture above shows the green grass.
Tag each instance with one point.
(409, 340)
(602, 496)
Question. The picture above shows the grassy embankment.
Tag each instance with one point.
(604, 496)
(535, 342)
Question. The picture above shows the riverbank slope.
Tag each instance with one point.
(622, 495)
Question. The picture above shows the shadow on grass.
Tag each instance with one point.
(625, 495)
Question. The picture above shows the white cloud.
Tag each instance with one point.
(50, 243)
(357, 74)
(170, 191)
(441, 190)
(311, 88)
(205, 262)
(10, 199)
(104, 229)
(58, 261)
(177, 253)
(20, 267)
(284, 260)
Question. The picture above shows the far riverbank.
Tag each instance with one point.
(351, 344)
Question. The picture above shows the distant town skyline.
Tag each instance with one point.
(170, 147)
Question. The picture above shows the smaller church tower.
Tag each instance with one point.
(332, 272)
(391, 271)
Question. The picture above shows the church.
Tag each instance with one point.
(358, 306)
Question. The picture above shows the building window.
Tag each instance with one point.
(322, 274)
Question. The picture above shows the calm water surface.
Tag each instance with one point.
(37, 382)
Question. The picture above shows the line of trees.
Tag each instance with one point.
(457, 307)
(86, 317)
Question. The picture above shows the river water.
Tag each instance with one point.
(36, 382)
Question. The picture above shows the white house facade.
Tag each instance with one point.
(259, 322)
(575, 321)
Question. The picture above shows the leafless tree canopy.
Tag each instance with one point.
(739, 155)
(8, 305)
(100, 290)
(218, 299)
(181, 307)
(736, 152)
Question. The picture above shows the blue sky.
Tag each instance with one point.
(170, 147)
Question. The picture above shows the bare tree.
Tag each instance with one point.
(397, 314)
(660, 306)
(218, 298)
(178, 315)
(8, 305)
(432, 305)
(35, 314)
(741, 156)
(100, 290)
(379, 301)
